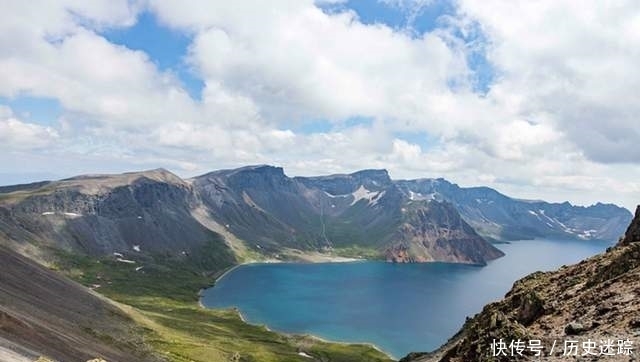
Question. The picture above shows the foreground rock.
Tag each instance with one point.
(595, 303)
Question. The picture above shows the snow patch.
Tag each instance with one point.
(304, 355)
(70, 214)
(363, 194)
(418, 196)
(334, 196)
(126, 261)
(330, 195)
(136, 248)
(118, 255)
(587, 234)
(139, 268)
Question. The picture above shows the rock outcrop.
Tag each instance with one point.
(434, 231)
(596, 301)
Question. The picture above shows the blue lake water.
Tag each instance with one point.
(398, 307)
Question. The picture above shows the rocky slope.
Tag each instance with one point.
(269, 211)
(45, 314)
(143, 212)
(592, 302)
(434, 231)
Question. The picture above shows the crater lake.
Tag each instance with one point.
(400, 308)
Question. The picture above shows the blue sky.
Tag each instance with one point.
(40, 110)
(167, 48)
(514, 95)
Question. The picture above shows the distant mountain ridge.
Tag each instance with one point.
(261, 212)
(499, 217)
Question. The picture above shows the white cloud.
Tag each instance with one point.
(100, 80)
(558, 116)
(574, 61)
(296, 61)
(18, 135)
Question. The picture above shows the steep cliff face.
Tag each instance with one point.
(269, 210)
(434, 231)
(142, 212)
(263, 207)
(344, 184)
(362, 208)
(594, 301)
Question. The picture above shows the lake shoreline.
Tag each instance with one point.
(298, 257)
(311, 259)
(308, 335)
(420, 285)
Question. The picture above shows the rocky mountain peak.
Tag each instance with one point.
(262, 169)
(93, 183)
(342, 184)
(632, 235)
(381, 176)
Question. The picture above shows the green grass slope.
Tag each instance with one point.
(162, 297)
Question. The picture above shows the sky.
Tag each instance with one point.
(537, 99)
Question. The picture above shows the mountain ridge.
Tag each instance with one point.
(267, 212)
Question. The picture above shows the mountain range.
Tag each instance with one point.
(263, 213)
(141, 244)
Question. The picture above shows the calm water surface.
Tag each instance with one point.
(398, 307)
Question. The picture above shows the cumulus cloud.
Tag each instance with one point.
(574, 61)
(558, 116)
(18, 135)
(303, 63)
